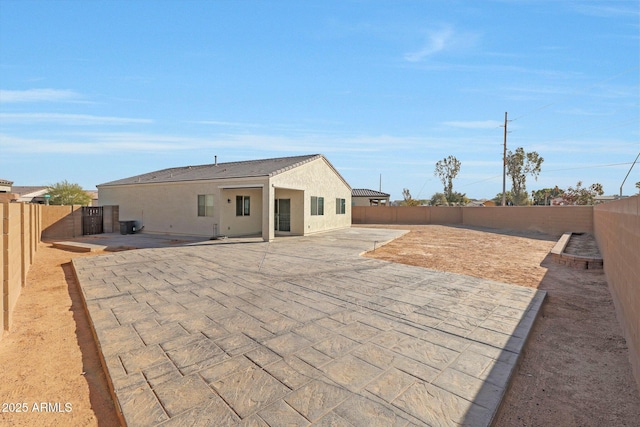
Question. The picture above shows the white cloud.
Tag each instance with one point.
(223, 123)
(37, 95)
(609, 11)
(97, 144)
(68, 119)
(443, 39)
(132, 142)
(436, 42)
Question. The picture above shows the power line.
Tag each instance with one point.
(589, 167)
(553, 170)
(504, 163)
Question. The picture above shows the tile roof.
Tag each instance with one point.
(243, 169)
(28, 190)
(363, 192)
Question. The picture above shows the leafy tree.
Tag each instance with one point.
(66, 193)
(438, 199)
(582, 195)
(508, 199)
(456, 199)
(519, 165)
(459, 199)
(447, 169)
(408, 200)
(544, 196)
(638, 186)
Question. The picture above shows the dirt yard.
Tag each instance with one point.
(574, 372)
(50, 370)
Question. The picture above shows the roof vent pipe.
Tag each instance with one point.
(215, 160)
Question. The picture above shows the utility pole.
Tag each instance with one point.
(504, 164)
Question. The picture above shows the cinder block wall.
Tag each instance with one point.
(3, 266)
(553, 220)
(20, 231)
(617, 230)
(59, 222)
(405, 215)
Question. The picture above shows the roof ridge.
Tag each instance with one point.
(236, 169)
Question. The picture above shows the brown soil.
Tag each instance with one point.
(574, 370)
(50, 357)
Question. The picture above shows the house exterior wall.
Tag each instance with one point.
(364, 201)
(297, 205)
(234, 225)
(172, 208)
(318, 179)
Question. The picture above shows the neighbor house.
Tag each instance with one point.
(6, 194)
(283, 196)
(365, 197)
(31, 194)
(5, 185)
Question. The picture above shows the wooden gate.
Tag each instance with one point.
(91, 220)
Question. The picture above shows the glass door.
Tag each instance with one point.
(283, 215)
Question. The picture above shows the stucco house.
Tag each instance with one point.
(6, 194)
(5, 185)
(366, 197)
(271, 197)
(31, 194)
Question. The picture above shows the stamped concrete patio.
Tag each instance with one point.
(301, 331)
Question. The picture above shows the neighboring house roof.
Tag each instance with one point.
(30, 191)
(243, 169)
(363, 192)
(5, 182)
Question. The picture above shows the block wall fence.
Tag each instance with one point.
(617, 230)
(554, 220)
(616, 226)
(23, 226)
(20, 229)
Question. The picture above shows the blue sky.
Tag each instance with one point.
(93, 91)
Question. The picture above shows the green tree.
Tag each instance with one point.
(519, 165)
(408, 200)
(438, 199)
(447, 169)
(582, 195)
(543, 197)
(508, 199)
(66, 193)
(458, 199)
(638, 186)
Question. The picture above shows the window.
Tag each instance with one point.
(341, 206)
(242, 206)
(317, 205)
(205, 204)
